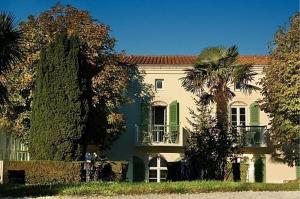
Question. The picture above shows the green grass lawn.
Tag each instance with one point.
(109, 189)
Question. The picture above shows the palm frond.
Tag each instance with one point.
(10, 42)
(248, 88)
(206, 98)
(194, 80)
(244, 75)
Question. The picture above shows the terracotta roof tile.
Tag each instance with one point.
(182, 59)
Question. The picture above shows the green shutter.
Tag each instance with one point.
(254, 114)
(260, 169)
(138, 169)
(144, 116)
(174, 119)
(298, 169)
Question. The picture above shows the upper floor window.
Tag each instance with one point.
(238, 116)
(159, 84)
(237, 86)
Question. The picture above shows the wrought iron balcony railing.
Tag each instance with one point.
(252, 136)
(157, 134)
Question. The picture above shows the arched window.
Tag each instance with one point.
(238, 113)
(158, 170)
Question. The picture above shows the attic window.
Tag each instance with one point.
(237, 86)
(159, 84)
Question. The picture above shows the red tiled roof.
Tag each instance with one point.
(183, 59)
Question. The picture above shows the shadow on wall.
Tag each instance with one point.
(139, 93)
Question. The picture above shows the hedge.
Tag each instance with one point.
(56, 172)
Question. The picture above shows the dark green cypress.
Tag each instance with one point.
(60, 105)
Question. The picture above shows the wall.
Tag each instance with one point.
(278, 172)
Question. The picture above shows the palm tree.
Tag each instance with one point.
(215, 70)
(10, 48)
(10, 42)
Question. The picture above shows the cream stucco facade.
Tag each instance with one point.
(128, 147)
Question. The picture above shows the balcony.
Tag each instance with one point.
(252, 136)
(158, 135)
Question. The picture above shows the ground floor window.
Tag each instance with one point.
(158, 170)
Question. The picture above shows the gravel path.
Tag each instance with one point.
(215, 195)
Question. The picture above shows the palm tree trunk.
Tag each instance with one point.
(222, 112)
(222, 125)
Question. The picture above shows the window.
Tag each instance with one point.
(159, 120)
(238, 116)
(159, 84)
(158, 170)
(237, 86)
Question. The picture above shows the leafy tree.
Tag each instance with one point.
(215, 69)
(60, 106)
(281, 91)
(205, 149)
(108, 76)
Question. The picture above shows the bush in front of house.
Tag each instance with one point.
(58, 172)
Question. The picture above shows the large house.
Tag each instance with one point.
(156, 133)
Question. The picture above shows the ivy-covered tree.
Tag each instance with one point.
(205, 149)
(281, 92)
(60, 105)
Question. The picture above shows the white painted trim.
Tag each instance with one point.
(1, 171)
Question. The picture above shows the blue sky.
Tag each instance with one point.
(165, 27)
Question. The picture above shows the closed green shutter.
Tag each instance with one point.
(254, 121)
(138, 169)
(144, 116)
(298, 169)
(174, 119)
(254, 114)
(260, 169)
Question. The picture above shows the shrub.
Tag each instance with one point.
(46, 172)
(60, 102)
(57, 172)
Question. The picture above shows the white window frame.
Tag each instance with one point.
(158, 169)
(236, 89)
(162, 84)
(238, 115)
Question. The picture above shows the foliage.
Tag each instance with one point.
(281, 91)
(109, 78)
(10, 40)
(60, 105)
(243, 172)
(10, 51)
(214, 71)
(110, 189)
(46, 172)
(207, 148)
(57, 172)
(259, 170)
